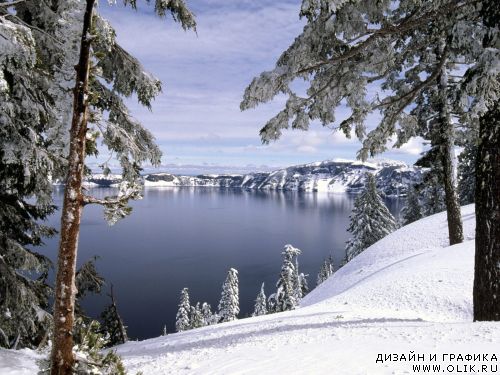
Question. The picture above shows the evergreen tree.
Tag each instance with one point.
(431, 191)
(370, 220)
(303, 284)
(285, 297)
(182, 319)
(300, 284)
(112, 323)
(467, 173)
(196, 320)
(87, 280)
(325, 271)
(208, 317)
(412, 210)
(229, 305)
(260, 303)
(27, 115)
(89, 349)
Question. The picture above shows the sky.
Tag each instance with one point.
(196, 120)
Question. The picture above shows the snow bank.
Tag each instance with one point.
(19, 362)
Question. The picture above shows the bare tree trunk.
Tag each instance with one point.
(486, 293)
(455, 228)
(447, 140)
(62, 350)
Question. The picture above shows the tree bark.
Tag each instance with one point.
(453, 214)
(486, 293)
(62, 359)
(447, 140)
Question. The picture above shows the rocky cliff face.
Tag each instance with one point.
(328, 176)
(338, 176)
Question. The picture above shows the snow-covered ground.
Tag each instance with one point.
(409, 294)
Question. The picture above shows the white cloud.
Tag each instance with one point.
(415, 146)
(197, 117)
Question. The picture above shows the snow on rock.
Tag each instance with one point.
(334, 176)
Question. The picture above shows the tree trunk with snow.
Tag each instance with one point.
(487, 271)
(62, 358)
(447, 133)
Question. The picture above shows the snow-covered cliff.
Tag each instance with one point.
(328, 176)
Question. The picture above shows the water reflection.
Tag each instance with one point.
(189, 237)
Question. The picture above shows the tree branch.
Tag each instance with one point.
(6, 5)
(87, 199)
(413, 93)
(405, 25)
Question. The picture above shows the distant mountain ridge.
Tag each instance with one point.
(339, 176)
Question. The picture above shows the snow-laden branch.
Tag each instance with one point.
(408, 97)
(32, 27)
(12, 3)
(407, 24)
(109, 201)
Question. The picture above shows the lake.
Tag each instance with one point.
(190, 237)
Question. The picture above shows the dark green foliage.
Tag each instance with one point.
(431, 190)
(467, 173)
(112, 323)
(370, 220)
(24, 292)
(412, 210)
(87, 281)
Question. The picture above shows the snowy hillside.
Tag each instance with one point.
(408, 292)
(328, 176)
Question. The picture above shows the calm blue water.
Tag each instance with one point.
(190, 237)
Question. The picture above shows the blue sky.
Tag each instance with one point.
(196, 120)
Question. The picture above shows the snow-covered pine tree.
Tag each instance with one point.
(208, 317)
(325, 271)
(431, 190)
(196, 320)
(27, 114)
(300, 284)
(260, 307)
(407, 48)
(182, 319)
(412, 210)
(370, 219)
(303, 284)
(286, 292)
(229, 305)
(90, 343)
(112, 323)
